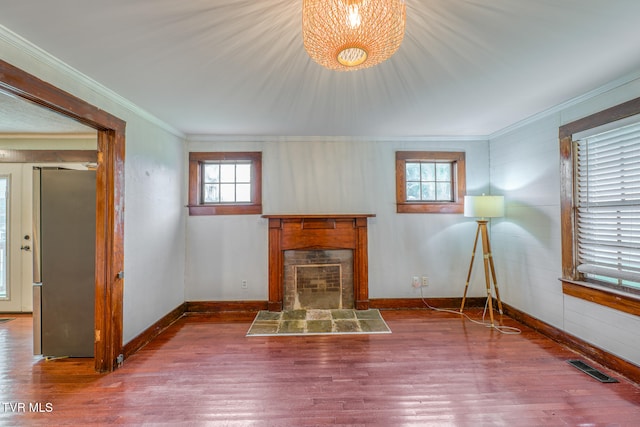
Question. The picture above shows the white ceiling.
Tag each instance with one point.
(18, 116)
(465, 67)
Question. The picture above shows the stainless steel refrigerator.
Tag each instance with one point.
(64, 239)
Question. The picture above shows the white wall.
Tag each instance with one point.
(524, 166)
(49, 142)
(336, 176)
(155, 216)
(154, 187)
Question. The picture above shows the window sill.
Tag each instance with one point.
(225, 210)
(599, 295)
(430, 207)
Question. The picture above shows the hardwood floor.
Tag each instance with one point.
(433, 369)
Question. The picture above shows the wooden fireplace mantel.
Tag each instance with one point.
(318, 232)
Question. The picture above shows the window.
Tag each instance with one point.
(600, 207)
(430, 182)
(608, 206)
(225, 183)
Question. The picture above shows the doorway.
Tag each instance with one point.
(109, 277)
(18, 244)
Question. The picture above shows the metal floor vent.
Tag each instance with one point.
(593, 372)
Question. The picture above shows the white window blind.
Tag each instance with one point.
(608, 206)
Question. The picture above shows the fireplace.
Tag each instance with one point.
(320, 246)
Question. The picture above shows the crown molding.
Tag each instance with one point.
(568, 104)
(306, 138)
(46, 59)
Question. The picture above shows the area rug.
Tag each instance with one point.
(318, 322)
(6, 319)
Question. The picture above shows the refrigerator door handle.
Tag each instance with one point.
(37, 318)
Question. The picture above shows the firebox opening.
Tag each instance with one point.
(318, 286)
(318, 279)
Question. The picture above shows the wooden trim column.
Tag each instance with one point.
(566, 207)
(276, 266)
(361, 266)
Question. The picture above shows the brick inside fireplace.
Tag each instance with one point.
(321, 234)
(318, 279)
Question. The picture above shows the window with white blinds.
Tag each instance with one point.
(608, 206)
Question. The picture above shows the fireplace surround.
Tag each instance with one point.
(318, 232)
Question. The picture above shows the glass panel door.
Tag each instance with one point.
(4, 187)
(12, 295)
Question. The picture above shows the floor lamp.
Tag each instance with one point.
(484, 207)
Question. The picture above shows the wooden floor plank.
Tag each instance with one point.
(433, 369)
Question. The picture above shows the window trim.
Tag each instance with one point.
(459, 185)
(197, 207)
(574, 283)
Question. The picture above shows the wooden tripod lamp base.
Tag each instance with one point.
(484, 207)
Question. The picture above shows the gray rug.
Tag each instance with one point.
(6, 319)
(318, 322)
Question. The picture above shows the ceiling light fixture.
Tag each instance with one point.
(349, 35)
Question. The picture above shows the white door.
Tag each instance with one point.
(15, 295)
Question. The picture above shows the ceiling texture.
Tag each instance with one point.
(19, 118)
(238, 67)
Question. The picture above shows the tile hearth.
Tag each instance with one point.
(317, 322)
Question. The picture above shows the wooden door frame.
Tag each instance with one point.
(109, 202)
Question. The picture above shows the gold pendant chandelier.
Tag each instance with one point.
(349, 35)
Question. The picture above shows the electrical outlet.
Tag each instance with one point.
(425, 281)
(415, 282)
(244, 284)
